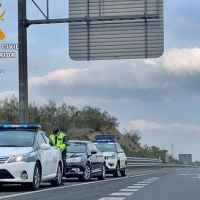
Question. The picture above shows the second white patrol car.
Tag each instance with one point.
(114, 155)
(28, 157)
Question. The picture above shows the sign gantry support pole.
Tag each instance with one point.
(23, 24)
(22, 63)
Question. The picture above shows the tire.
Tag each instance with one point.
(86, 173)
(58, 180)
(36, 179)
(123, 173)
(117, 170)
(103, 173)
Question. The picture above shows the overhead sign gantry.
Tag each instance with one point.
(98, 30)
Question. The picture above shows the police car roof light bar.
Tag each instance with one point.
(105, 138)
(20, 126)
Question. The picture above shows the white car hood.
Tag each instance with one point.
(108, 153)
(11, 151)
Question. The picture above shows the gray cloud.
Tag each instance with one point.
(177, 69)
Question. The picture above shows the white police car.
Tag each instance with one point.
(113, 153)
(28, 157)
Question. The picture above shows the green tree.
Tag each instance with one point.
(133, 135)
(9, 110)
(65, 116)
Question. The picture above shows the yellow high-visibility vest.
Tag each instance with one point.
(59, 143)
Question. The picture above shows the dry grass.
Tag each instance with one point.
(88, 134)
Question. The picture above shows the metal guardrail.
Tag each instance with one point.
(148, 163)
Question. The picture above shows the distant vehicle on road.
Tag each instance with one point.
(84, 161)
(28, 157)
(114, 155)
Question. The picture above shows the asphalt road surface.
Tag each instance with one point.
(174, 184)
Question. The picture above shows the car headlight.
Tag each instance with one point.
(77, 159)
(113, 156)
(19, 158)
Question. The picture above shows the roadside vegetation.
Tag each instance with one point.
(146, 151)
(78, 124)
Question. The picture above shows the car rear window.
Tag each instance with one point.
(106, 146)
(76, 147)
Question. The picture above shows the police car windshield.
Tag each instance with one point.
(106, 146)
(76, 147)
(16, 138)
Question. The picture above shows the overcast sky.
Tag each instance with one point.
(159, 97)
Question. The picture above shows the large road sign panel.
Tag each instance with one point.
(116, 29)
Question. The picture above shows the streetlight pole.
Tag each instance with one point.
(172, 144)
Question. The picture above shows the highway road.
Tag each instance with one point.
(168, 184)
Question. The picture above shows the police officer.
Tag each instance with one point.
(60, 140)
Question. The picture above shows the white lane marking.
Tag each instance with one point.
(67, 186)
(136, 186)
(144, 182)
(128, 190)
(155, 178)
(112, 198)
(61, 187)
(152, 173)
(121, 193)
(133, 187)
(140, 184)
(152, 179)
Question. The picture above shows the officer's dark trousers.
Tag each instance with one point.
(64, 166)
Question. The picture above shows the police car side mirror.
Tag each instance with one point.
(45, 146)
(93, 152)
(120, 151)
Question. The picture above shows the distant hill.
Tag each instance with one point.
(89, 134)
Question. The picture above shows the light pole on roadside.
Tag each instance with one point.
(172, 144)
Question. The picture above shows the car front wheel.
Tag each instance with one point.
(123, 172)
(86, 173)
(117, 170)
(58, 179)
(103, 173)
(36, 179)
